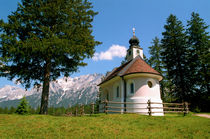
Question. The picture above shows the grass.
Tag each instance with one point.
(104, 126)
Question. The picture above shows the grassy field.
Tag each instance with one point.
(104, 126)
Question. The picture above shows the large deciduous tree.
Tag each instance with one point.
(175, 57)
(44, 39)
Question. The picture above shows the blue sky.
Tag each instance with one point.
(113, 26)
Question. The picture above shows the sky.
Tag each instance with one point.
(114, 22)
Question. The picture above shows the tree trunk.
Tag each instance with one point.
(45, 90)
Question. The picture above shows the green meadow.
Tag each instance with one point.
(103, 126)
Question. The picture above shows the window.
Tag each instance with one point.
(149, 83)
(118, 92)
(137, 51)
(131, 88)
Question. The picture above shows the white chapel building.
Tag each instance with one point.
(133, 82)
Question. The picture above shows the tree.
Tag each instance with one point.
(156, 62)
(23, 107)
(199, 44)
(44, 39)
(175, 57)
(155, 58)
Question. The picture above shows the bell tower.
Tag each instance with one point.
(134, 48)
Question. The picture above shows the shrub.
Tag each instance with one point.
(23, 107)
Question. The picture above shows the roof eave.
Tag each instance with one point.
(147, 74)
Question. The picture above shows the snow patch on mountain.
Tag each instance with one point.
(63, 92)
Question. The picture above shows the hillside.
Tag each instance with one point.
(63, 92)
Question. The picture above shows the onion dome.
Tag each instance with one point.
(134, 41)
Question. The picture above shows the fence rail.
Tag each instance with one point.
(166, 107)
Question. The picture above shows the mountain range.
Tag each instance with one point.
(64, 92)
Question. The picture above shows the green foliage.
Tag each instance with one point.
(12, 110)
(5, 110)
(156, 62)
(1, 110)
(32, 110)
(199, 44)
(23, 107)
(155, 59)
(175, 57)
(103, 126)
(44, 39)
(184, 62)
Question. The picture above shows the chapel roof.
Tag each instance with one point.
(137, 65)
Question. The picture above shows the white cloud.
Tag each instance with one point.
(113, 51)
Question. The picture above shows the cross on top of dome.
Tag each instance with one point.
(134, 31)
(134, 41)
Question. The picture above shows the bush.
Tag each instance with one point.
(23, 107)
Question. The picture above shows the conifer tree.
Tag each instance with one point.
(199, 60)
(156, 62)
(23, 107)
(198, 41)
(174, 55)
(155, 58)
(45, 39)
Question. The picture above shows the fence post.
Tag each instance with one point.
(149, 107)
(185, 108)
(92, 108)
(105, 106)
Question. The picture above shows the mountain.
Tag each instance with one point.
(63, 92)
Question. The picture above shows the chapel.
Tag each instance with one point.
(133, 82)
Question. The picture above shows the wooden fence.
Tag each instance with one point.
(166, 107)
(80, 110)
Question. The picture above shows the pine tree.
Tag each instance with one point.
(45, 39)
(198, 42)
(23, 107)
(155, 61)
(174, 55)
(155, 58)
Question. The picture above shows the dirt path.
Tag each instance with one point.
(203, 115)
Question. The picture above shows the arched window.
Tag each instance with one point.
(130, 87)
(149, 83)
